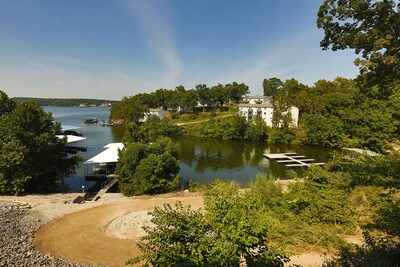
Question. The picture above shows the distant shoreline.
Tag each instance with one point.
(68, 102)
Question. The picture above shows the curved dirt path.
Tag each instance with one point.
(80, 236)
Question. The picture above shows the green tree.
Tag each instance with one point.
(188, 100)
(271, 86)
(31, 156)
(150, 130)
(148, 169)
(128, 110)
(237, 128)
(257, 130)
(231, 230)
(323, 130)
(219, 94)
(6, 104)
(236, 91)
(204, 95)
(163, 98)
(371, 29)
(282, 116)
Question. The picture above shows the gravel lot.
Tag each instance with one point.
(17, 228)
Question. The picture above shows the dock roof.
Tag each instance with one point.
(108, 155)
(71, 138)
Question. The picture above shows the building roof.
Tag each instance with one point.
(256, 97)
(71, 138)
(155, 109)
(108, 155)
(269, 105)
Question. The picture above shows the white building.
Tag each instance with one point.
(266, 111)
(159, 112)
(260, 99)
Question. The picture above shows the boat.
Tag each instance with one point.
(91, 120)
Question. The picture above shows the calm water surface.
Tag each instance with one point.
(200, 159)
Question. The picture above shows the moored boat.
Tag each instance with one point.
(91, 120)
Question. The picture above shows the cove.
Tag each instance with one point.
(203, 160)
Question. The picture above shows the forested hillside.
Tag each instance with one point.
(64, 102)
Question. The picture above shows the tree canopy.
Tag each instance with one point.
(31, 156)
(148, 168)
(369, 27)
(128, 110)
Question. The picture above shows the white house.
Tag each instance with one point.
(266, 111)
(159, 112)
(260, 99)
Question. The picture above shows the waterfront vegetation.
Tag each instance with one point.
(264, 223)
(31, 156)
(145, 168)
(332, 114)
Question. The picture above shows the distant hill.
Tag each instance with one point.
(66, 102)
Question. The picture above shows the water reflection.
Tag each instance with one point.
(205, 160)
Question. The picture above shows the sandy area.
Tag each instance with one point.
(104, 232)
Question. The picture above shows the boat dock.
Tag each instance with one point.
(292, 159)
(74, 143)
(103, 164)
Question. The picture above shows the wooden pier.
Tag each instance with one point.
(292, 159)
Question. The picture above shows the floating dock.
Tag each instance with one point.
(292, 159)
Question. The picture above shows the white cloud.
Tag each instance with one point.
(159, 38)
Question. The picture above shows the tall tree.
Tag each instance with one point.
(6, 104)
(282, 116)
(219, 94)
(31, 156)
(148, 169)
(128, 110)
(188, 100)
(236, 91)
(204, 96)
(163, 98)
(372, 29)
(271, 86)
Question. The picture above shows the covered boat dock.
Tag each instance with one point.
(74, 143)
(103, 165)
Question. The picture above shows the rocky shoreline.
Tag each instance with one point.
(18, 224)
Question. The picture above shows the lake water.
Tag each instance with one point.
(202, 160)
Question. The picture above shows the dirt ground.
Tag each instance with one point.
(105, 232)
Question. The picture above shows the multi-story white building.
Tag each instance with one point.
(266, 111)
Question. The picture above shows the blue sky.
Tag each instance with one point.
(110, 49)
